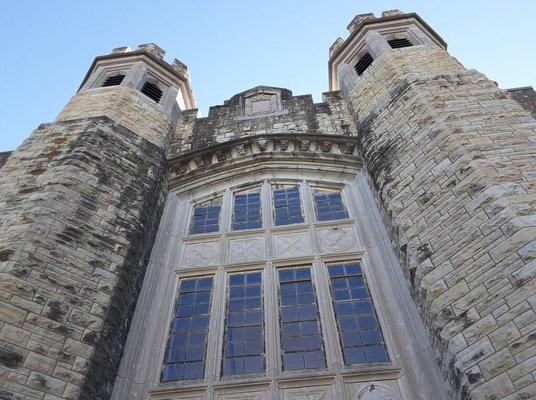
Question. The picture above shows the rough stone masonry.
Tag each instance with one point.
(450, 158)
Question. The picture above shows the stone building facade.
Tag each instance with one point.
(379, 244)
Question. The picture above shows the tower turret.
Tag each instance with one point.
(449, 155)
(81, 202)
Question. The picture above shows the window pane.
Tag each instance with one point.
(243, 348)
(287, 206)
(328, 205)
(359, 331)
(247, 210)
(185, 355)
(206, 217)
(301, 341)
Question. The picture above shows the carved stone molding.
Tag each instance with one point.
(333, 151)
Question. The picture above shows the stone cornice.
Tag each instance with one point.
(304, 151)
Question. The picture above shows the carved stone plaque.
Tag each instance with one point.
(292, 245)
(261, 103)
(320, 393)
(245, 250)
(338, 239)
(201, 254)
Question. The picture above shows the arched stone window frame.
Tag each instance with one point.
(360, 238)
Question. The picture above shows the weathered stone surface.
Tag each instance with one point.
(451, 158)
(288, 115)
(526, 97)
(80, 204)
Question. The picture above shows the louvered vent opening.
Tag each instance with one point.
(152, 91)
(398, 43)
(363, 64)
(113, 80)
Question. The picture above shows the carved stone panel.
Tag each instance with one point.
(311, 393)
(201, 254)
(292, 245)
(261, 103)
(339, 239)
(246, 249)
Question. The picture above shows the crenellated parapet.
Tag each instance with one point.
(260, 111)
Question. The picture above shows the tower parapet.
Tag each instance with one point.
(135, 88)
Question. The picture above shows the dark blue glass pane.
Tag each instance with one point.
(329, 207)
(314, 359)
(253, 365)
(293, 361)
(360, 335)
(287, 206)
(205, 219)
(187, 343)
(194, 370)
(354, 355)
(300, 328)
(243, 351)
(173, 372)
(376, 353)
(247, 214)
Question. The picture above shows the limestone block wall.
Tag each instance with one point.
(298, 114)
(80, 202)
(124, 105)
(451, 158)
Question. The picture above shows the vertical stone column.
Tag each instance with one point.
(451, 160)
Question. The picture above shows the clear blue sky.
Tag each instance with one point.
(229, 46)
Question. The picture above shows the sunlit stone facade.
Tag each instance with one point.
(378, 245)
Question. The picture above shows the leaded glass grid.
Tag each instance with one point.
(206, 217)
(360, 334)
(243, 350)
(301, 341)
(287, 205)
(328, 205)
(186, 350)
(247, 211)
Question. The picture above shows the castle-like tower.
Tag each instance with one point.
(377, 245)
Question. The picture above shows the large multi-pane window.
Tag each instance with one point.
(243, 350)
(206, 217)
(301, 340)
(360, 334)
(245, 338)
(247, 210)
(287, 205)
(328, 205)
(186, 350)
